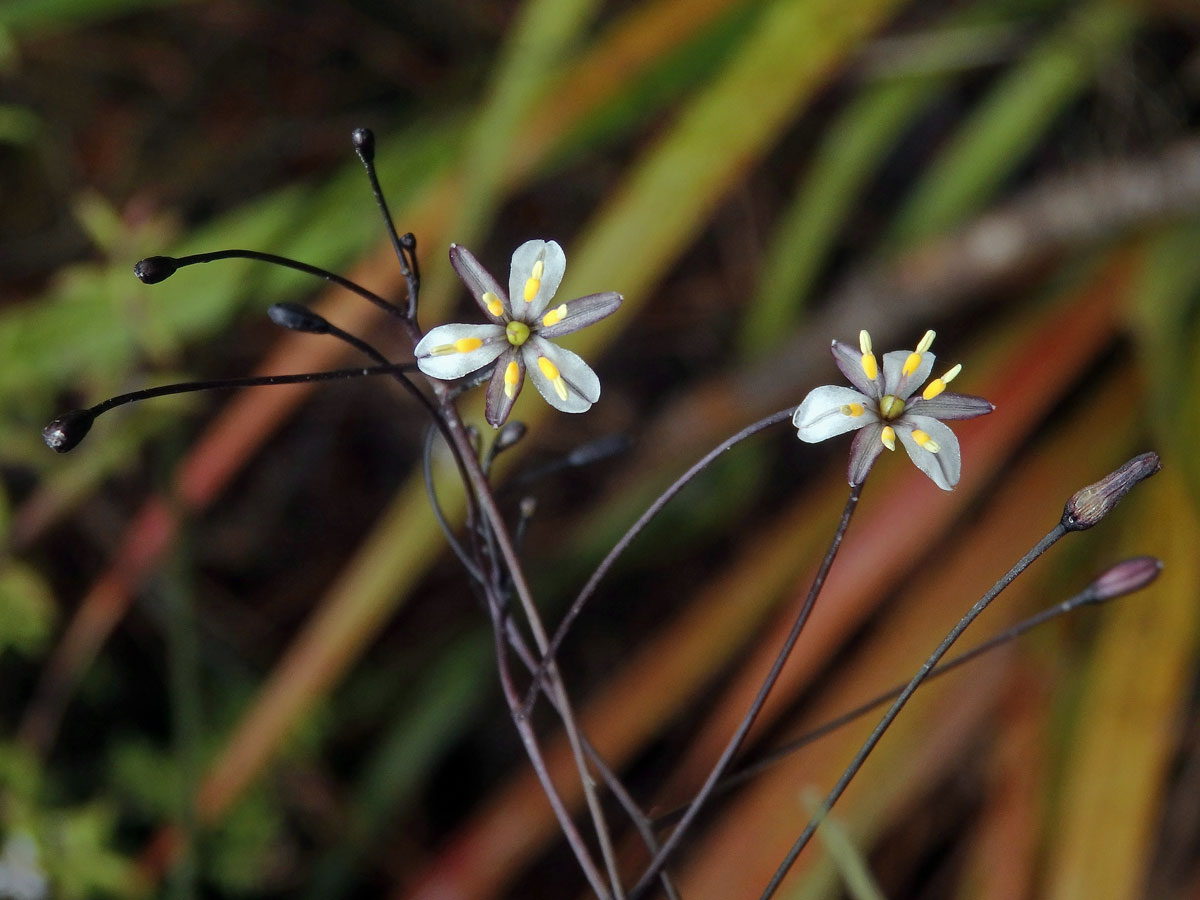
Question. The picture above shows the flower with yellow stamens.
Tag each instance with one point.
(882, 409)
(516, 339)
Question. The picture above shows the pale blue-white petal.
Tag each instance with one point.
(895, 382)
(579, 313)
(864, 450)
(820, 416)
(479, 281)
(554, 264)
(952, 406)
(499, 402)
(945, 466)
(450, 365)
(582, 387)
(849, 360)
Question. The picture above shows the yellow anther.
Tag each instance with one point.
(550, 370)
(890, 407)
(853, 410)
(870, 366)
(555, 316)
(493, 304)
(911, 364)
(531, 288)
(512, 375)
(938, 385)
(925, 442)
(864, 342)
(466, 345)
(926, 341)
(888, 437)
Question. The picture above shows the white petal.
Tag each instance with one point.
(453, 364)
(554, 264)
(576, 379)
(945, 466)
(895, 382)
(820, 416)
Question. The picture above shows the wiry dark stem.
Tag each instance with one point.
(634, 530)
(739, 736)
(1038, 549)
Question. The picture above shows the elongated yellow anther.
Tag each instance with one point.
(512, 375)
(888, 437)
(854, 410)
(938, 385)
(870, 365)
(466, 345)
(925, 442)
(534, 283)
(550, 370)
(493, 304)
(911, 364)
(555, 315)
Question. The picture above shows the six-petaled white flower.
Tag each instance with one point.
(880, 409)
(516, 340)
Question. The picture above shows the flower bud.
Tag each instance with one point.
(1094, 502)
(1125, 577)
(66, 431)
(154, 269)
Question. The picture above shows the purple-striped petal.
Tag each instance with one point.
(952, 406)
(579, 313)
(864, 450)
(481, 284)
(504, 387)
(849, 360)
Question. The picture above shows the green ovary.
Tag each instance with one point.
(517, 333)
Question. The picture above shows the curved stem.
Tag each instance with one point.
(634, 530)
(1038, 549)
(760, 698)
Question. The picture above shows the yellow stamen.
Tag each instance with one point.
(493, 304)
(550, 370)
(888, 437)
(852, 409)
(938, 385)
(555, 316)
(512, 375)
(911, 364)
(534, 284)
(925, 442)
(870, 365)
(466, 345)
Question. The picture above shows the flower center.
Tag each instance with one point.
(890, 407)
(517, 333)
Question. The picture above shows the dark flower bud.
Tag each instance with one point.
(1125, 577)
(599, 449)
(65, 432)
(364, 143)
(154, 269)
(1094, 502)
(509, 435)
(295, 317)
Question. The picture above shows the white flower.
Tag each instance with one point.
(516, 340)
(881, 410)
